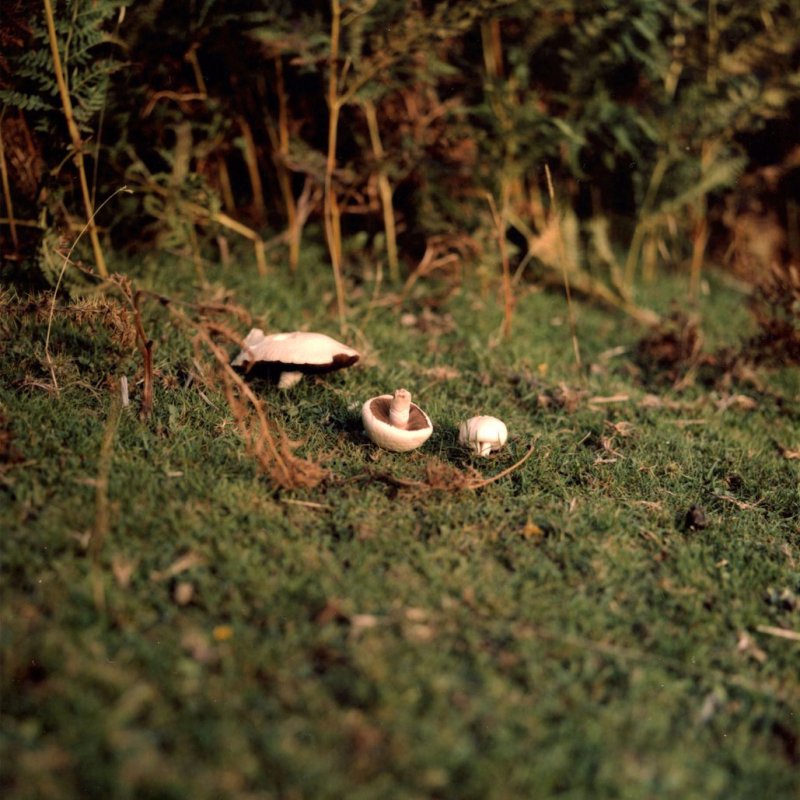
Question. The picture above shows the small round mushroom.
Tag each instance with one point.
(483, 435)
(394, 423)
(293, 355)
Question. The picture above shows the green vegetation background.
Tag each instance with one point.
(176, 622)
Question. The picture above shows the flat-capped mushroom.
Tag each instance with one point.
(394, 423)
(293, 355)
(483, 435)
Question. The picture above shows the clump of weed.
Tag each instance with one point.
(9, 454)
(672, 350)
(91, 337)
(776, 306)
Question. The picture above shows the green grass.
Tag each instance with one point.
(554, 634)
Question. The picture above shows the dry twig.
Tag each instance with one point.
(444, 477)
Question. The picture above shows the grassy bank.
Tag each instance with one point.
(173, 626)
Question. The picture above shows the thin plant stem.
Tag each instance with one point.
(642, 222)
(64, 266)
(331, 209)
(12, 224)
(294, 228)
(508, 296)
(385, 190)
(564, 274)
(77, 143)
(700, 232)
(251, 162)
(225, 186)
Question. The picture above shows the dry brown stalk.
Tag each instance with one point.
(701, 232)
(781, 633)
(251, 162)
(508, 296)
(145, 346)
(204, 215)
(11, 222)
(337, 101)
(194, 61)
(23, 223)
(642, 223)
(384, 189)
(225, 185)
(77, 142)
(271, 449)
(442, 477)
(564, 274)
(330, 207)
(280, 154)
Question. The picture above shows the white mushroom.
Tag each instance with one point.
(483, 435)
(394, 423)
(293, 354)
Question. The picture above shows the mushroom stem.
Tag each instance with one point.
(398, 410)
(289, 379)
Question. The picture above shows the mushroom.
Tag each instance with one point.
(294, 354)
(394, 423)
(483, 435)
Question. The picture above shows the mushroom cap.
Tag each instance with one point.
(295, 352)
(483, 434)
(375, 416)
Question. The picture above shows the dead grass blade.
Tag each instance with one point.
(442, 477)
(780, 633)
(269, 447)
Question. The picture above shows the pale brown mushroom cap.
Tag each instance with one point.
(294, 354)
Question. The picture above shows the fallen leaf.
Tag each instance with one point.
(740, 504)
(739, 401)
(607, 355)
(651, 401)
(440, 373)
(781, 633)
(791, 455)
(419, 632)
(184, 563)
(362, 622)
(532, 531)
(614, 398)
(622, 428)
(222, 633)
(653, 505)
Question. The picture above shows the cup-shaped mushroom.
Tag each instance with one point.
(483, 435)
(394, 423)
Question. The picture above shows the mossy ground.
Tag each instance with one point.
(558, 633)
